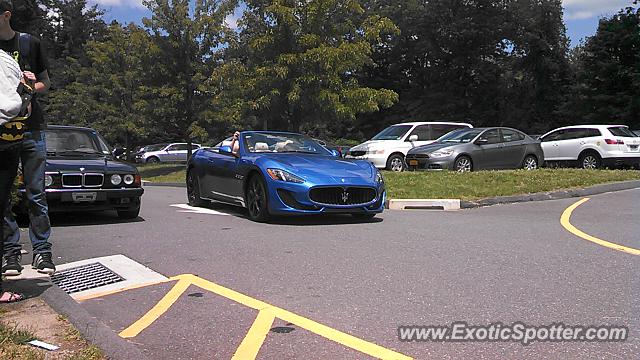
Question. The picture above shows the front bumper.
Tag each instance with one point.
(430, 164)
(293, 199)
(62, 200)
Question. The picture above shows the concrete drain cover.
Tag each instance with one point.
(85, 277)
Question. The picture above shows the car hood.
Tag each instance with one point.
(320, 167)
(431, 148)
(373, 144)
(89, 164)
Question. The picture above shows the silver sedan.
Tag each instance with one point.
(478, 149)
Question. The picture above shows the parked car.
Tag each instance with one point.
(478, 149)
(277, 173)
(81, 175)
(592, 146)
(388, 149)
(175, 152)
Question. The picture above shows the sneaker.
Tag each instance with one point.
(43, 263)
(11, 265)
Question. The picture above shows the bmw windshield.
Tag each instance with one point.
(462, 136)
(274, 142)
(74, 142)
(395, 132)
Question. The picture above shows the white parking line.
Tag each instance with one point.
(197, 210)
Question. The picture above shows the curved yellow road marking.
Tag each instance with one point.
(565, 221)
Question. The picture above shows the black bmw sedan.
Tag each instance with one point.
(82, 175)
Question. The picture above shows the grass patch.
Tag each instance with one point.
(483, 184)
(12, 343)
(160, 171)
(467, 186)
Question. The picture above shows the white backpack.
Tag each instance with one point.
(15, 101)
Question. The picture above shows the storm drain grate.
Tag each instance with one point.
(85, 277)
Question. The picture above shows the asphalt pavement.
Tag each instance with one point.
(345, 278)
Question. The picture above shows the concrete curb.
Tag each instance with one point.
(423, 204)
(93, 330)
(554, 195)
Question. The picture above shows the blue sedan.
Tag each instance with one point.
(278, 173)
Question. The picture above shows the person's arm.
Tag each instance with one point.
(41, 81)
(235, 145)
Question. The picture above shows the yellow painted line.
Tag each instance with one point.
(252, 343)
(116, 291)
(160, 308)
(565, 221)
(310, 325)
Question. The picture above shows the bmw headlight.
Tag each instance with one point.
(116, 179)
(441, 153)
(128, 179)
(281, 175)
(48, 180)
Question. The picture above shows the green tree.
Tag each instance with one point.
(607, 88)
(190, 41)
(300, 61)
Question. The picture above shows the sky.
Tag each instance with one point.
(581, 16)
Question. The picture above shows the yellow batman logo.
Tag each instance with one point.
(18, 125)
(9, 137)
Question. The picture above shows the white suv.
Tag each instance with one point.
(388, 149)
(592, 146)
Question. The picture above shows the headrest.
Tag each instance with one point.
(261, 146)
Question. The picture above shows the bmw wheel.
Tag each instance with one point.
(395, 163)
(193, 189)
(256, 198)
(530, 163)
(590, 161)
(463, 164)
(153, 160)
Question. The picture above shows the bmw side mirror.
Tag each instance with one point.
(482, 142)
(413, 138)
(225, 150)
(335, 153)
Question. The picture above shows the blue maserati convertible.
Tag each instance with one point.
(278, 173)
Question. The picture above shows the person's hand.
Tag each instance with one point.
(29, 76)
(236, 135)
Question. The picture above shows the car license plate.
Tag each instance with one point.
(413, 162)
(80, 197)
(633, 147)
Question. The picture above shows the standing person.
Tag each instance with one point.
(29, 53)
(8, 169)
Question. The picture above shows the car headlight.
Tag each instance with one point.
(441, 153)
(379, 178)
(375, 151)
(281, 175)
(116, 179)
(48, 180)
(128, 179)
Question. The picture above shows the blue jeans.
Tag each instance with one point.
(33, 154)
(8, 169)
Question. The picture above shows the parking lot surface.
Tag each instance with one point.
(336, 288)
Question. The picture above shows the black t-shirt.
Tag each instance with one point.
(36, 63)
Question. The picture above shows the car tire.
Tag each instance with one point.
(363, 216)
(530, 163)
(590, 160)
(463, 164)
(396, 163)
(193, 189)
(152, 160)
(129, 214)
(256, 199)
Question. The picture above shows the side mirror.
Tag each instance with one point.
(482, 142)
(413, 138)
(335, 153)
(225, 150)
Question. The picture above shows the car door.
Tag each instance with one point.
(169, 154)
(550, 145)
(513, 148)
(422, 132)
(222, 179)
(488, 150)
(570, 144)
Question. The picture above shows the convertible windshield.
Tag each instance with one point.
(395, 132)
(74, 142)
(460, 136)
(256, 142)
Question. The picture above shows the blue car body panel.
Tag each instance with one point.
(223, 178)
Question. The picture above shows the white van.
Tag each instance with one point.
(388, 149)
